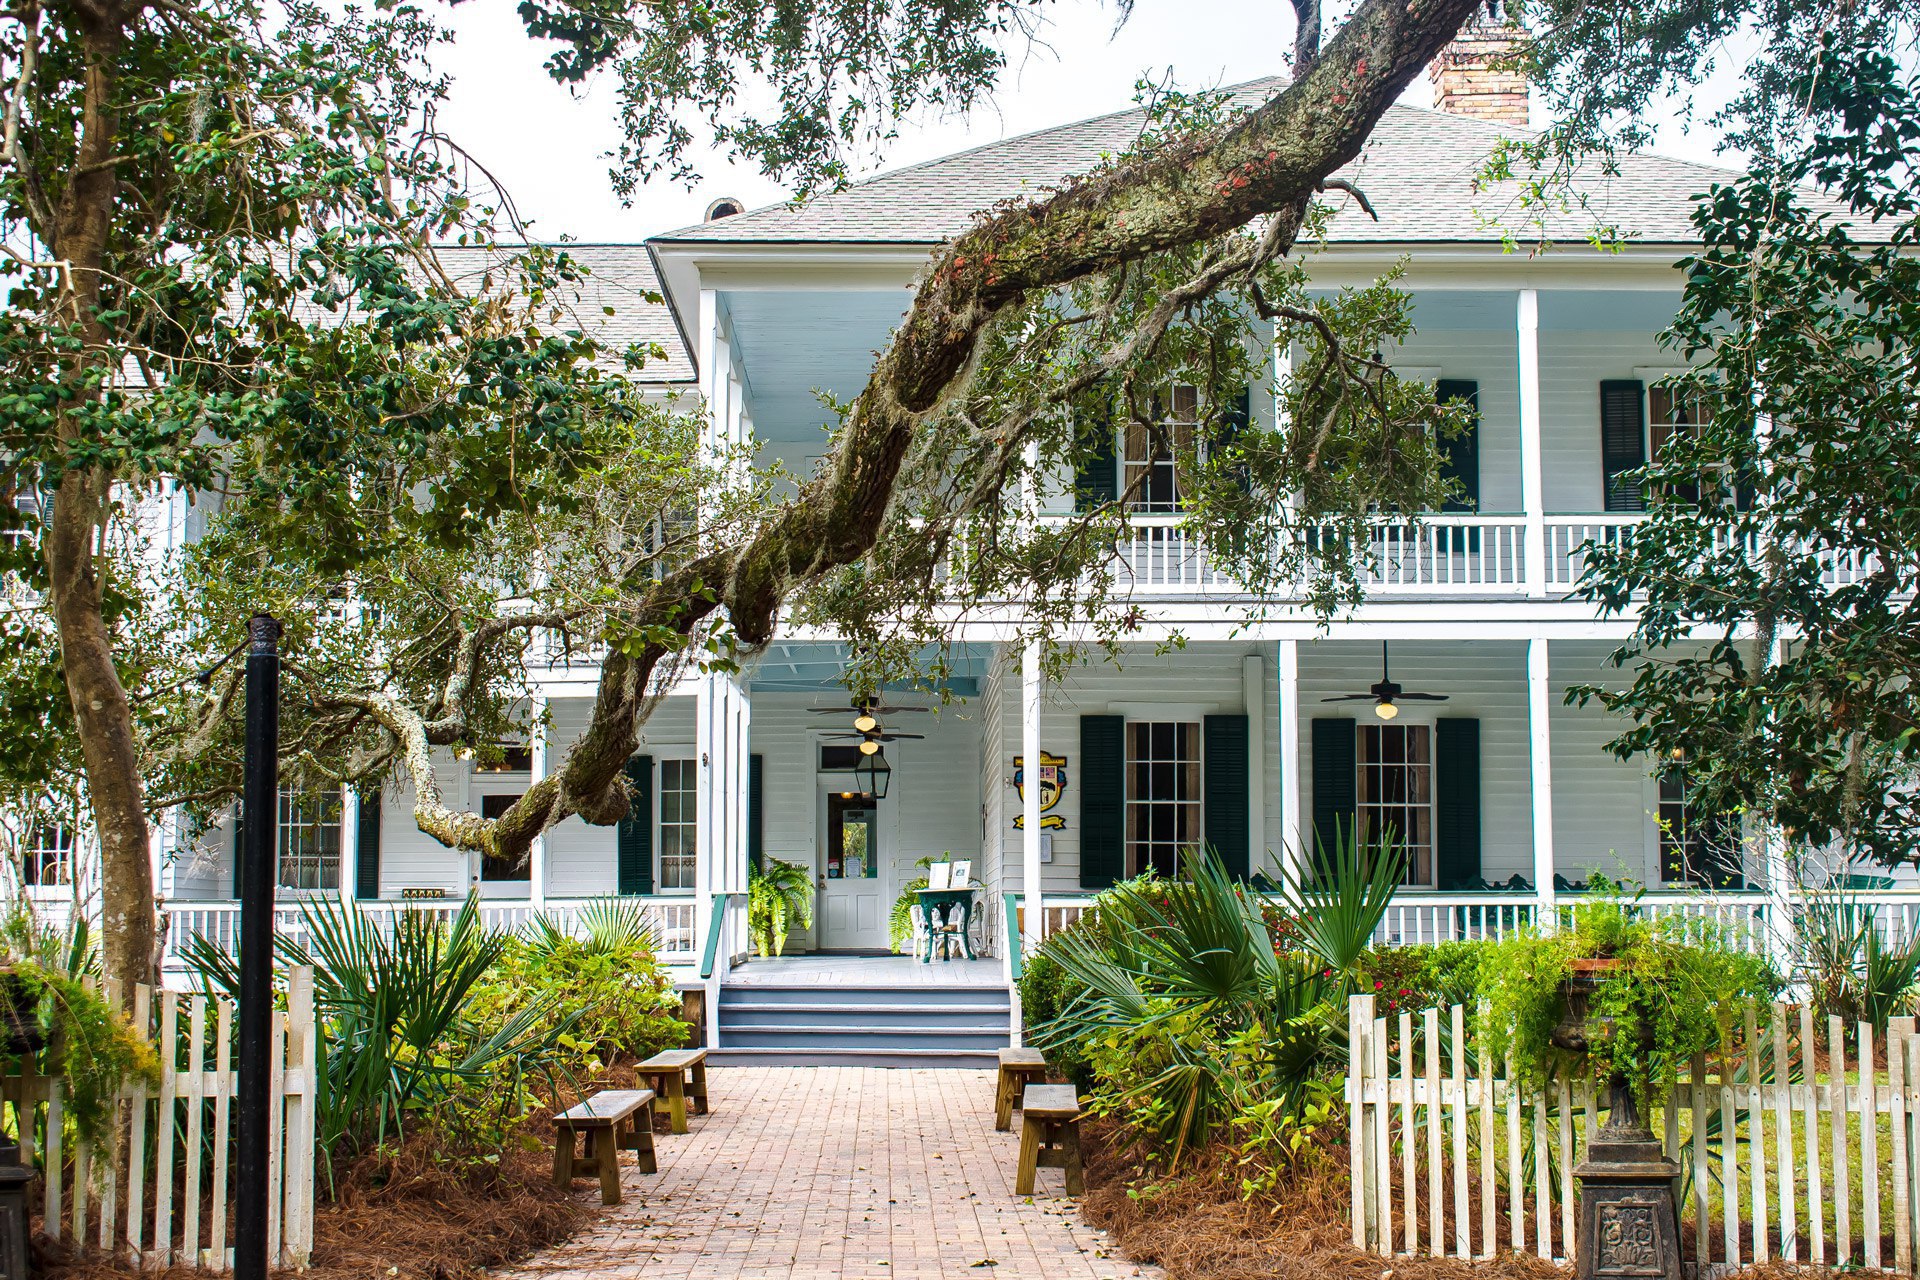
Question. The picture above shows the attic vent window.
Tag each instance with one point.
(724, 207)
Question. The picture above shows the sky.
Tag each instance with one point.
(547, 144)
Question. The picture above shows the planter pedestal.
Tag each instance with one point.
(1629, 1226)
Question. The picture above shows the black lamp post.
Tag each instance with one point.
(260, 799)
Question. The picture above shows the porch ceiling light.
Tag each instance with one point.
(869, 747)
(1385, 709)
(874, 773)
(865, 722)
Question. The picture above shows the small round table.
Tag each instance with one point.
(947, 900)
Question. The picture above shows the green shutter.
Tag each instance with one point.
(1456, 802)
(366, 853)
(1233, 424)
(1095, 475)
(1460, 456)
(1623, 441)
(1335, 787)
(1223, 747)
(1103, 801)
(756, 815)
(633, 840)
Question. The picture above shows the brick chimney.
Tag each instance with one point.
(1467, 83)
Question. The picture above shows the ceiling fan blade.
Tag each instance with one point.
(1421, 697)
(1352, 697)
(897, 737)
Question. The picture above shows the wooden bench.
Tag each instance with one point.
(676, 1075)
(1018, 1069)
(610, 1119)
(1049, 1135)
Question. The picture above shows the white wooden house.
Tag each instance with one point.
(1504, 792)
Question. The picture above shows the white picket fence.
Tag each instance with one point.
(168, 1201)
(1777, 1160)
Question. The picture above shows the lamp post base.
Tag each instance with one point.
(1629, 1224)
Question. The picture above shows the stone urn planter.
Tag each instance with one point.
(1629, 1225)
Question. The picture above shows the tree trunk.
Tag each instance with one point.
(103, 716)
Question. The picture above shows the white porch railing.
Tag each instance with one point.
(1421, 918)
(673, 919)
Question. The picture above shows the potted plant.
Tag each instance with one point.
(779, 896)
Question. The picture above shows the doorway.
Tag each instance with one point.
(854, 900)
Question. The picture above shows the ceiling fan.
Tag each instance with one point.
(1386, 695)
(866, 714)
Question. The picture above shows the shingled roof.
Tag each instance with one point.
(618, 303)
(1418, 171)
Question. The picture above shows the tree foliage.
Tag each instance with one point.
(1774, 579)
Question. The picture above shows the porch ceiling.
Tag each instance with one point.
(792, 342)
(812, 667)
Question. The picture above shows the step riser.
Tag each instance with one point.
(860, 1020)
(859, 997)
(985, 1041)
(823, 1058)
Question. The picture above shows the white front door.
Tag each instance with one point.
(853, 879)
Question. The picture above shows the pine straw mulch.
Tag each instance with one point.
(1197, 1226)
(405, 1217)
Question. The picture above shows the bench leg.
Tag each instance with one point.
(700, 1088)
(677, 1099)
(1076, 1185)
(606, 1159)
(1029, 1157)
(1003, 1103)
(563, 1158)
(643, 1140)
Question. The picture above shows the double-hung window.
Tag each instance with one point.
(1163, 794)
(1696, 847)
(679, 822)
(1394, 797)
(49, 852)
(1150, 475)
(309, 839)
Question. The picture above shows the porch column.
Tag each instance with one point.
(1293, 850)
(349, 844)
(1253, 680)
(1033, 916)
(720, 839)
(537, 855)
(1540, 769)
(1532, 465)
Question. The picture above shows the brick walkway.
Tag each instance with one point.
(806, 1173)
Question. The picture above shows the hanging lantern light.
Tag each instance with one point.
(873, 772)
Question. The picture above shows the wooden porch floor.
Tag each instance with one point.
(866, 971)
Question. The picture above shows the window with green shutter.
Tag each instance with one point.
(1103, 801)
(1334, 794)
(1456, 787)
(633, 838)
(1224, 804)
(1623, 442)
(366, 854)
(1460, 455)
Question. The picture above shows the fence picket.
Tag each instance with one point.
(1462, 1210)
(1837, 1106)
(222, 1112)
(1488, 1209)
(165, 1129)
(1516, 1170)
(1897, 1109)
(109, 1193)
(1409, 1134)
(1542, 1180)
(1566, 1170)
(1702, 1213)
(1356, 1117)
(195, 1083)
(135, 1235)
(56, 1157)
(1869, 1150)
(1381, 1133)
(1783, 1133)
(1756, 1138)
(276, 1098)
(1816, 1197)
(1729, 1166)
(1436, 1170)
(300, 1125)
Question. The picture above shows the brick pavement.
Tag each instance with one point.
(819, 1173)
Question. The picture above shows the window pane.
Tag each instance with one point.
(1395, 793)
(1163, 792)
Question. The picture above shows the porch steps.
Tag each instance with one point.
(814, 1024)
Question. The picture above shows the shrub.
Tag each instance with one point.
(600, 1000)
(1424, 975)
(1045, 994)
(1682, 980)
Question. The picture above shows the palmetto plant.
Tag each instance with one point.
(779, 896)
(390, 992)
(605, 925)
(1182, 981)
(1852, 968)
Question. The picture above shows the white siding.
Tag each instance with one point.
(1572, 366)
